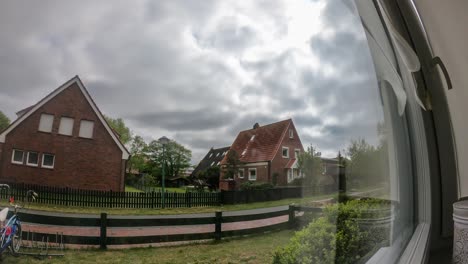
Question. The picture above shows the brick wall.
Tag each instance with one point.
(79, 163)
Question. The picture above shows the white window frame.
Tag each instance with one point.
(296, 153)
(81, 134)
(47, 166)
(291, 133)
(32, 164)
(238, 173)
(41, 124)
(61, 127)
(282, 152)
(250, 174)
(13, 157)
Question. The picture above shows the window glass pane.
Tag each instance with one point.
(48, 160)
(46, 122)
(86, 129)
(66, 126)
(18, 156)
(32, 158)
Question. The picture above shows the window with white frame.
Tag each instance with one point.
(86, 129)
(17, 156)
(291, 133)
(285, 152)
(66, 126)
(48, 161)
(240, 174)
(32, 158)
(296, 153)
(46, 122)
(252, 174)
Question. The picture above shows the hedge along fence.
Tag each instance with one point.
(248, 196)
(110, 199)
(104, 222)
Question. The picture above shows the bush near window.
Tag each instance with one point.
(339, 236)
(255, 186)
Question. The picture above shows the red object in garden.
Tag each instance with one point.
(12, 199)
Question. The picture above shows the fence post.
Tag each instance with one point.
(189, 199)
(292, 214)
(103, 237)
(218, 220)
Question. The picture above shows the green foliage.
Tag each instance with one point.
(255, 186)
(232, 164)
(275, 177)
(311, 165)
(4, 121)
(210, 176)
(175, 157)
(367, 165)
(297, 182)
(339, 235)
(118, 125)
(138, 154)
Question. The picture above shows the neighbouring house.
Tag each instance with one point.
(212, 158)
(64, 141)
(267, 154)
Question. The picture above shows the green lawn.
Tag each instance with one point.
(120, 211)
(254, 249)
(131, 189)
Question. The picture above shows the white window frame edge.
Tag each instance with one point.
(283, 148)
(46, 166)
(243, 172)
(32, 164)
(417, 249)
(253, 169)
(13, 157)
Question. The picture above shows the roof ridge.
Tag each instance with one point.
(289, 119)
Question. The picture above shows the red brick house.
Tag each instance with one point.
(63, 140)
(266, 152)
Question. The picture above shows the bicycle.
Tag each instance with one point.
(11, 231)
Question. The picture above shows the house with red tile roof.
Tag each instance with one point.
(65, 141)
(267, 154)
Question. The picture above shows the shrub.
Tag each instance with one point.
(339, 235)
(255, 186)
(297, 182)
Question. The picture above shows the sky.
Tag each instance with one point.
(198, 72)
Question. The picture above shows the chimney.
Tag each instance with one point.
(256, 125)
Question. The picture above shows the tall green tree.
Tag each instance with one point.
(138, 154)
(368, 164)
(232, 164)
(210, 176)
(4, 121)
(119, 126)
(310, 164)
(176, 159)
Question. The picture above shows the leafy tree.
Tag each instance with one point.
(4, 121)
(138, 154)
(367, 165)
(118, 125)
(176, 158)
(310, 164)
(232, 164)
(210, 176)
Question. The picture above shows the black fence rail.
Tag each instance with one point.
(104, 222)
(109, 199)
(248, 196)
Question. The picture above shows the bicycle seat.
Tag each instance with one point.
(3, 214)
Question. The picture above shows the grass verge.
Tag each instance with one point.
(252, 249)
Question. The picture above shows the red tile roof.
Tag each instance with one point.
(264, 145)
(290, 163)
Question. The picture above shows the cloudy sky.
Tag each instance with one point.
(198, 71)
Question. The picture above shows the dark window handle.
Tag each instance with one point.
(437, 61)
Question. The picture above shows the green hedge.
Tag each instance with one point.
(339, 235)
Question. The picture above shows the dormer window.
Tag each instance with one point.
(291, 133)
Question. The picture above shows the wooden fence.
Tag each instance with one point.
(104, 222)
(110, 199)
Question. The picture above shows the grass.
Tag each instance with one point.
(253, 249)
(145, 211)
(131, 189)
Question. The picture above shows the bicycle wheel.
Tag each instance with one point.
(16, 241)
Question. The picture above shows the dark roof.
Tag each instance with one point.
(211, 159)
(260, 143)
